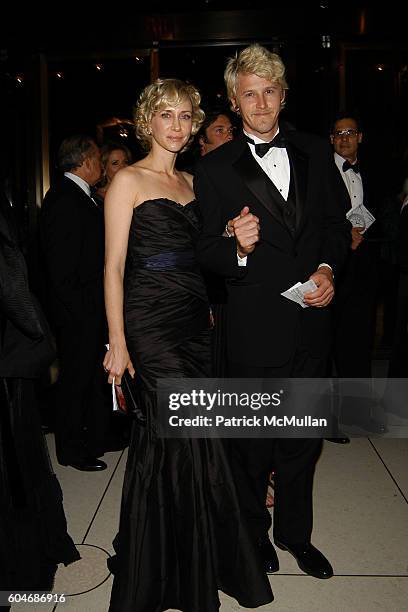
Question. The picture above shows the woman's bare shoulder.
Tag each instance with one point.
(129, 178)
(134, 170)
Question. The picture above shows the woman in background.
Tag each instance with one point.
(114, 157)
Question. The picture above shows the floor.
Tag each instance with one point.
(361, 524)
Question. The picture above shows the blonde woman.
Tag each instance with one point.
(180, 537)
(114, 157)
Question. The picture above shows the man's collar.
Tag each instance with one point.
(259, 140)
(340, 159)
(79, 181)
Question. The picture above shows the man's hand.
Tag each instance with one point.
(323, 295)
(356, 237)
(246, 230)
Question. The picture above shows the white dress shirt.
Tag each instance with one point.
(275, 164)
(352, 181)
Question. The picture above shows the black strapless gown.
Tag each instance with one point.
(181, 535)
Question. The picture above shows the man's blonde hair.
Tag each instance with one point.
(254, 59)
(158, 95)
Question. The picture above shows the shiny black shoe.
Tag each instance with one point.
(341, 439)
(268, 555)
(89, 464)
(309, 559)
(112, 563)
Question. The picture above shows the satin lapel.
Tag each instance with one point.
(299, 163)
(257, 181)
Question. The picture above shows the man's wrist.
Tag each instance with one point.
(326, 268)
(325, 265)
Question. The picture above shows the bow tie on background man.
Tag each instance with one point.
(347, 166)
(263, 147)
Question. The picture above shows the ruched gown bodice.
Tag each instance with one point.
(180, 537)
(165, 296)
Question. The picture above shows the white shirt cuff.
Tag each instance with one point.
(325, 265)
(242, 261)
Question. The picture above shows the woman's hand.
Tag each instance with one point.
(116, 361)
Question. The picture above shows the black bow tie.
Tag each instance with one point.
(263, 147)
(347, 166)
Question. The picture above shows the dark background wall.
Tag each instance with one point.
(365, 69)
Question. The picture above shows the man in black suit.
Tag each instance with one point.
(355, 300)
(72, 235)
(286, 204)
(215, 131)
(357, 284)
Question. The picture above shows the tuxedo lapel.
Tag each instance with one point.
(258, 182)
(299, 175)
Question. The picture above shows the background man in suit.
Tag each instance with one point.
(356, 285)
(216, 130)
(287, 206)
(72, 236)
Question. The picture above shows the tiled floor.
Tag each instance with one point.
(361, 523)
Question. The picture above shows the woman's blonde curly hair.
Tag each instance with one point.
(160, 94)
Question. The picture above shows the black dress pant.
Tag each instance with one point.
(354, 336)
(354, 314)
(354, 317)
(83, 409)
(292, 459)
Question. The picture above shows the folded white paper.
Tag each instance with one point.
(360, 216)
(297, 291)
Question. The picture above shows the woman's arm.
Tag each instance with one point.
(119, 204)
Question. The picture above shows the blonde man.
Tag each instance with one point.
(284, 195)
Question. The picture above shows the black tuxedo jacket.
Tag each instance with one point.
(72, 238)
(359, 276)
(264, 328)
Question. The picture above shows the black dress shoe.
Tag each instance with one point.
(89, 464)
(112, 563)
(309, 559)
(268, 555)
(341, 439)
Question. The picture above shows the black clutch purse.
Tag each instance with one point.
(125, 399)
